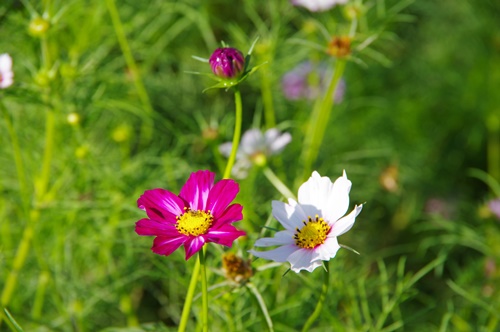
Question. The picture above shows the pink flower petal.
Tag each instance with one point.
(221, 195)
(167, 245)
(231, 214)
(224, 235)
(278, 255)
(193, 245)
(196, 189)
(161, 204)
(155, 228)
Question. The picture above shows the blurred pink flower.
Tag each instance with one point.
(199, 214)
(318, 5)
(6, 74)
(494, 206)
(312, 225)
(300, 83)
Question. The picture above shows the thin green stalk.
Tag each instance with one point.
(204, 290)
(267, 98)
(276, 182)
(43, 181)
(319, 123)
(493, 146)
(321, 300)
(18, 160)
(189, 297)
(237, 132)
(262, 305)
(19, 259)
(132, 66)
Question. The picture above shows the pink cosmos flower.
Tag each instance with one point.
(199, 214)
(311, 225)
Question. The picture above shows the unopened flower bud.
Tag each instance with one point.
(73, 118)
(121, 133)
(227, 62)
(38, 27)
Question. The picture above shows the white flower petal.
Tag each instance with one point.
(225, 149)
(329, 249)
(5, 63)
(317, 5)
(304, 259)
(282, 212)
(344, 224)
(252, 141)
(316, 191)
(338, 199)
(271, 135)
(278, 255)
(280, 238)
(278, 144)
(241, 167)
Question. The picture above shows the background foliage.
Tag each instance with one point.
(421, 107)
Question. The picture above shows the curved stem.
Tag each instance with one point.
(321, 300)
(237, 132)
(189, 297)
(319, 121)
(276, 182)
(204, 289)
(262, 305)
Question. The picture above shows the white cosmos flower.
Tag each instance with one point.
(6, 74)
(254, 148)
(311, 225)
(318, 5)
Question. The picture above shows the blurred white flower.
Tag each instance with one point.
(311, 225)
(318, 5)
(254, 148)
(6, 74)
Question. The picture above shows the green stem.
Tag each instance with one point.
(43, 181)
(19, 259)
(493, 146)
(204, 289)
(319, 121)
(276, 182)
(321, 301)
(262, 305)
(237, 132)
(132, 66)
(189, 297)
(267, 98)
(18, 160)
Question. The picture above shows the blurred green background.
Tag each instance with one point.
(418, 133)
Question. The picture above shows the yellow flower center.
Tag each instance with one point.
(312, 234)
(194, 222)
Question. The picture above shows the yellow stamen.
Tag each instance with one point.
(312, 234)
(194, 222)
